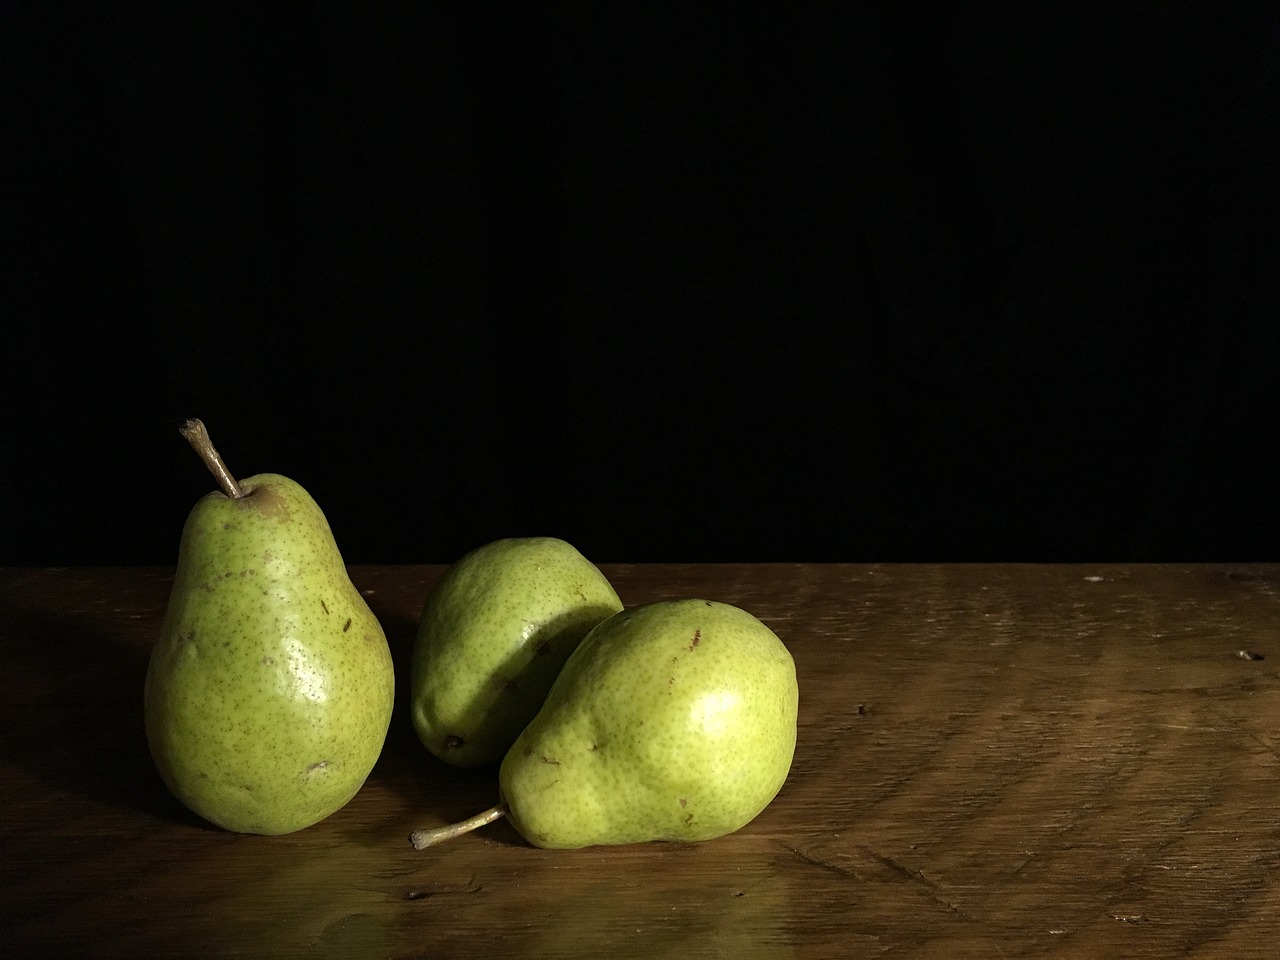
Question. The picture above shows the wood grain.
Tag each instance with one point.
(994, 761)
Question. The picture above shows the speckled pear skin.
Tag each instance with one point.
(674, 720)
(269, 692)
(493, 635)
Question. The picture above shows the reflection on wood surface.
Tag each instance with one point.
(1017, 761)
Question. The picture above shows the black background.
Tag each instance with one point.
(752, 282)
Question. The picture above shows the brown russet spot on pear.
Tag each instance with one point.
(266, 500)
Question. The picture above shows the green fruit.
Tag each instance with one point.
(492, 638)
(675, 720)
(269, 693)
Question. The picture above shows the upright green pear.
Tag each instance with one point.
(269, 692)
(493, 635)
(674, 720)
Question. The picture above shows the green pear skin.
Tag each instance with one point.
(492, 637)
(673, 720)
(269, 692)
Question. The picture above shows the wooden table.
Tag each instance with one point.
(993, 761)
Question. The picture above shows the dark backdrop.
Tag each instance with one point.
(740, 282)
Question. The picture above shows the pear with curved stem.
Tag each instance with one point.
(674, 720)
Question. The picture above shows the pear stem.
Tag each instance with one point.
(196, 435)
(421, 839)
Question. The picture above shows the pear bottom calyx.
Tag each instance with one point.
(421, 839)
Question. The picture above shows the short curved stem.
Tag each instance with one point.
(421, 839)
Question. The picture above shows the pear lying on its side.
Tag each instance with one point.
(493, 635)
(674, 720)
(269, 692)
